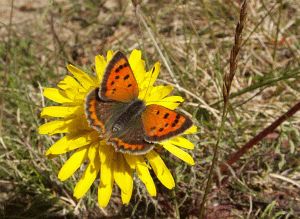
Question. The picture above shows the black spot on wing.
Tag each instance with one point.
(126, 77)
(152, 128)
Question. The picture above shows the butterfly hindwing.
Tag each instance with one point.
(132, 140)
(100, 114)
(161, 123)
(119, 83)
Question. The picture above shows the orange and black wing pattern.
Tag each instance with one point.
(119, 83)
(161, 123)
(100, 113)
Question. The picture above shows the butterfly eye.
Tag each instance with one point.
(116, 128)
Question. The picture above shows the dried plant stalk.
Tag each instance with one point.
(227, 81)
(237, 155)
(228, 78)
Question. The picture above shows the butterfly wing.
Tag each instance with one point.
(118, 82)
(101, 114)
(132, 140)
(161, 123)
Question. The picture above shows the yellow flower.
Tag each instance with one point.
(85, 142)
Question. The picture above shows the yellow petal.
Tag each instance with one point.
(137, 65)
(71, 87)
(53, 127)
(138, 163)
(89, 174)
(191, 130)
(56, 95)
(106, 175)
(123, 177)
(126, 196)
(171, 102)
(62, 111)
(132, 160)
(150, 77)
(64, 126)
(105, 191)
(93, 153)
(160, 169)
(144, 175)
(181, 142)
(156, 94)
(109, 55)
(70, 93)
(106, 152)
(179, 153)
(71, 142)
(73, 163)
(100, 64)
(79, 98)
(85, 80)
(69, 83)
(160, 92)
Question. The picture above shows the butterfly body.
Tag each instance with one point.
(123, 119)
(129, 116)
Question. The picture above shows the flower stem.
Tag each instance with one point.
(177, 212)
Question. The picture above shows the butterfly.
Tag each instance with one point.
(124, 120)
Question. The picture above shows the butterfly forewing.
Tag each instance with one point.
(118, 82)
(101, 114)
(161, 123)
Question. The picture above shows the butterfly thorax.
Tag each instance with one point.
(128, 117)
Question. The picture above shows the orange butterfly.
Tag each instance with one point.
(125, 121)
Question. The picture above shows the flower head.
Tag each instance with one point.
(86, 144)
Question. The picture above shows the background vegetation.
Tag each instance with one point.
(38, 38)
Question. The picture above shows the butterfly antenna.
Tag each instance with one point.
(152, 72)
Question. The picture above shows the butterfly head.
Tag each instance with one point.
(117, 128)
